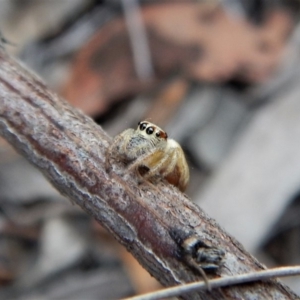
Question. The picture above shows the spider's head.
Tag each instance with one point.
(151, 131)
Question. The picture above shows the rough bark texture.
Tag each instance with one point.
(69, 148)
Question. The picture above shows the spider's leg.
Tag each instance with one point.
(170, 162)
(177, 171)
(149, 161)
(117, 150)
(157, 165)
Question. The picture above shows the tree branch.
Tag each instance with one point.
(150, 221)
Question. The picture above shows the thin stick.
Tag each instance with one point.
(138, 38)
(220, 282)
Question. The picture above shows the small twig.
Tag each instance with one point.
(220, 282)
(138, 38)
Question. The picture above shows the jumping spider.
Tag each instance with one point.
(150, 152)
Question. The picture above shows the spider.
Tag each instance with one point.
(150, 152)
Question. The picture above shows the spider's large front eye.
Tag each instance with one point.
(150, 130)
(143, 126)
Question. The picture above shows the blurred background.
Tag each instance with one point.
(221, 77)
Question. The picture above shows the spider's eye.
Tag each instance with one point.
(162, 134)
(143, 126)
(150, 130)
